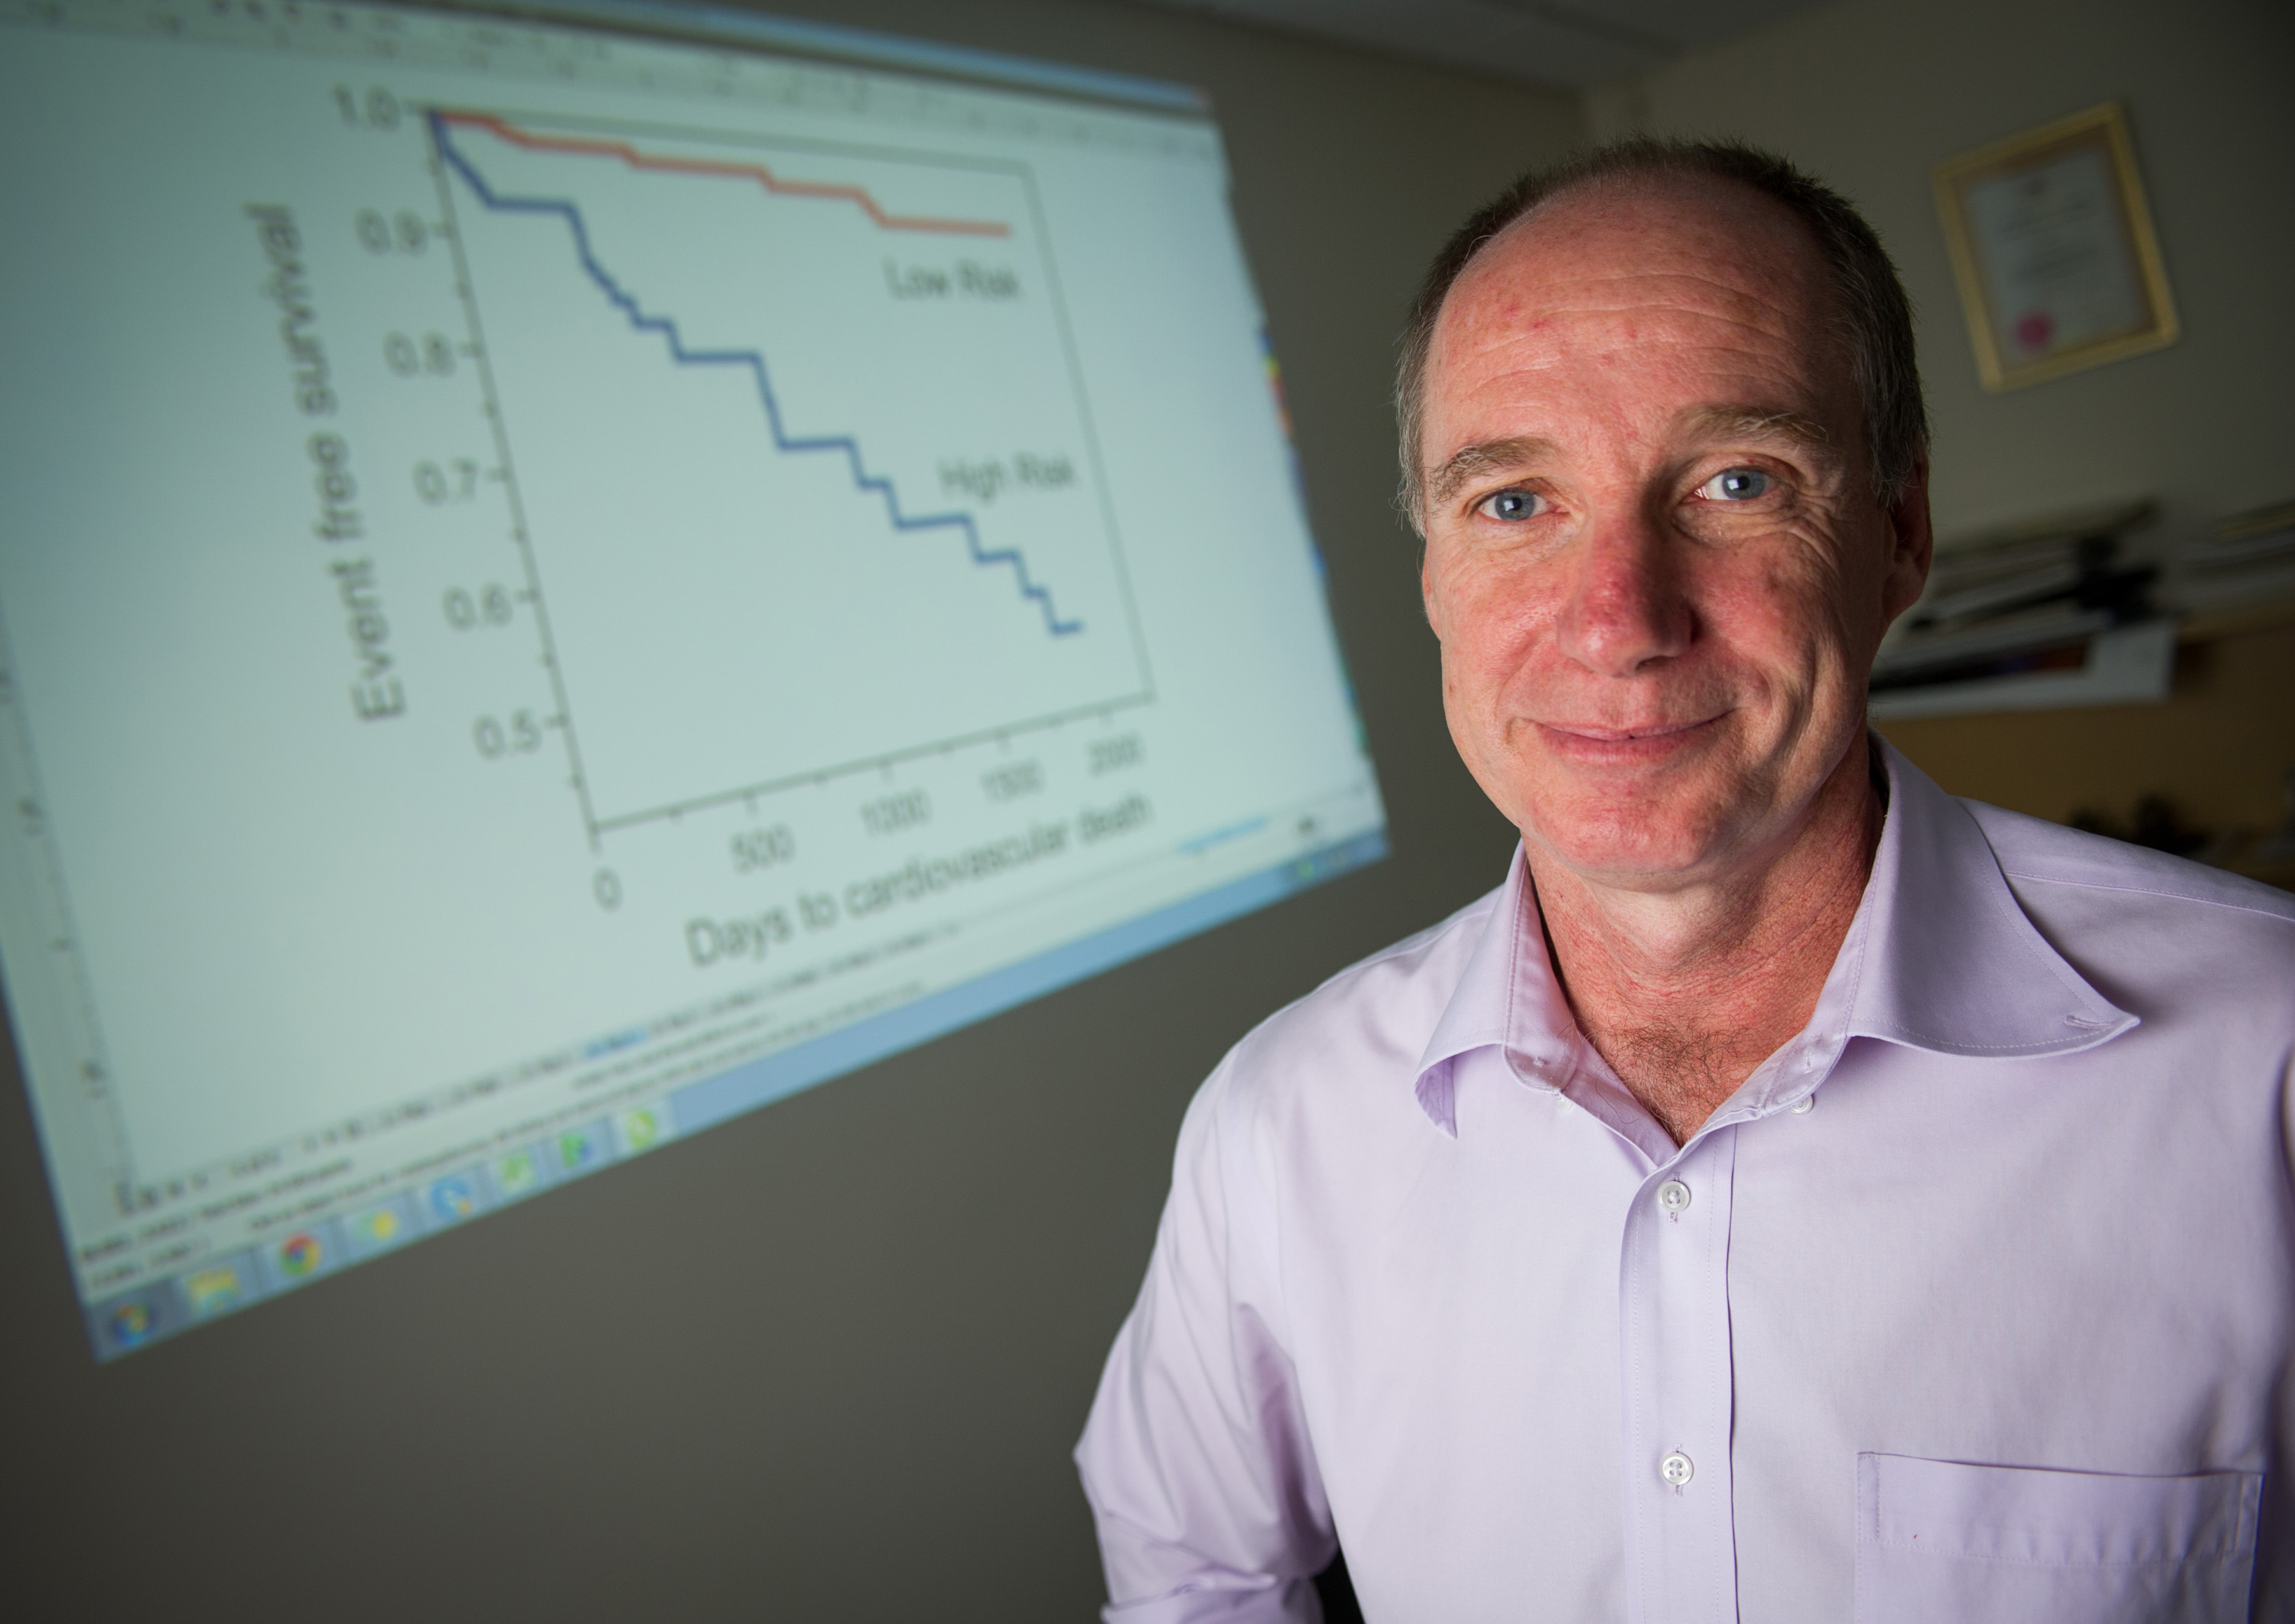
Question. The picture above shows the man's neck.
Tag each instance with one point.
(1686, 991)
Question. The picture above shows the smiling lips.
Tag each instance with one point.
(1592, 742)
(1613, 736)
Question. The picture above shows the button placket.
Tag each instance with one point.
(1676, 1368)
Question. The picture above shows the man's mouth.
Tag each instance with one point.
(1597, 747)
(1647, 732)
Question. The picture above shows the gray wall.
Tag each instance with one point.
(827, 1360)
(1873, 94)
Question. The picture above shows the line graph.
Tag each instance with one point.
(765, 177)
(652, 525)
(685, 355)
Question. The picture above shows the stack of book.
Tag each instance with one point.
(2052, 612)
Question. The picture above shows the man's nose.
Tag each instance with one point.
(1626, 608)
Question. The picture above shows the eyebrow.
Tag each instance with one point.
(1469, 463)
(1463, 466)
(1756, 422)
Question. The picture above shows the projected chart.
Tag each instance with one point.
(861, 424)
(558, 587)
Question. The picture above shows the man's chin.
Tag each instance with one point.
(1628, 843)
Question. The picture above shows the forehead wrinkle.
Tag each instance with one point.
(1512, 300)
(1464, 465)
(1749, 327)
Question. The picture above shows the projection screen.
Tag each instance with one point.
(564, 580)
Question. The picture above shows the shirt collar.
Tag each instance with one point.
(1507, 1000)
(1940, 957)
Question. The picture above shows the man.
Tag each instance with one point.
(1794, 1193)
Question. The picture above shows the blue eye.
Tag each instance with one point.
(1736, 485)
(1512, 507)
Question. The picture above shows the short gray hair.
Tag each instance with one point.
(1876, 316)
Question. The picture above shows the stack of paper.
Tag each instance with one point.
(2249, 560)
(2030, 616)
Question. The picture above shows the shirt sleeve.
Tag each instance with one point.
(1195, 1459)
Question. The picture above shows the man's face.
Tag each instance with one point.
(1654, 556)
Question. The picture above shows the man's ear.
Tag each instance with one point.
(1426, 587)
(1912, 544)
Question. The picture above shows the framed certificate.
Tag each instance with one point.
(2053, 246)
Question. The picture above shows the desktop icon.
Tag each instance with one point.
(576, 1149)
(212, 1290)
(378, 1227)
(641, 1129)
(517, 1172)
(130, 1325)
(300, 1255)
(454, 1198)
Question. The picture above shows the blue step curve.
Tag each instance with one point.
(666, 327)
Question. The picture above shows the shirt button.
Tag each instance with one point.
(1676, 1469)
(1801, 1107)
(1673, 1196)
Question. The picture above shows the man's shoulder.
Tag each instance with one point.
(1370, 1021)
(2035, 853)
(2138, 921)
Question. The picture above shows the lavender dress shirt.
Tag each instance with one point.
(1974, 1303)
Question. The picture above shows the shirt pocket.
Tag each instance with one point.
(1939, 1540)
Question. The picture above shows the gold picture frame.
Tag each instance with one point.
(2052, 247)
